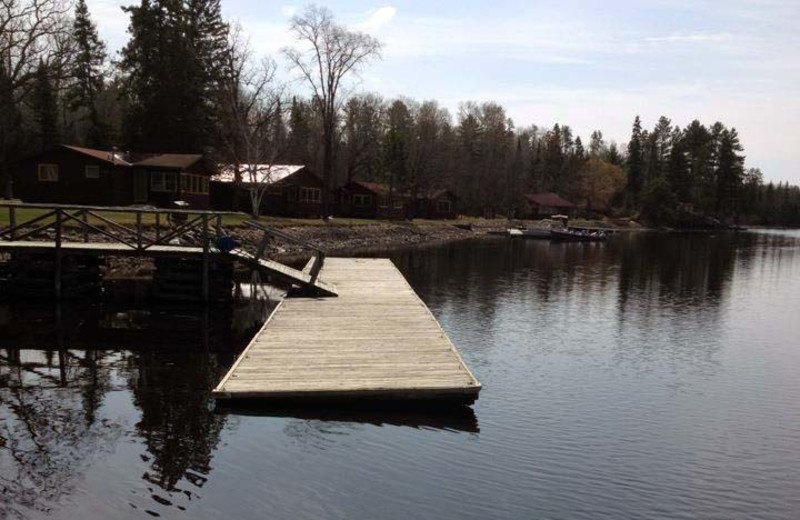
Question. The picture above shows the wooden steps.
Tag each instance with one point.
(286, 273)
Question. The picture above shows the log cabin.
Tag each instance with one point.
(288, 190)
(371, 200)
(544, 205)
(436, 205)
(76, 175)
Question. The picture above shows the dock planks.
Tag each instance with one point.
(377, 339)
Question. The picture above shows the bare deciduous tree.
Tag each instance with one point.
(251, 120)
(328, 53)
(32, 32)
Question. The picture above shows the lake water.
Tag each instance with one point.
(655, 376)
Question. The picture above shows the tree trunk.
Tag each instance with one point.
(327, 165)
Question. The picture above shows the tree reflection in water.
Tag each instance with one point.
(48, 427)
(52, 425)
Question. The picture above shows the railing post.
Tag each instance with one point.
(85, 219)
(262, 246)
(12, 221)
(317, 267)
(139, 229)
(205, 258)
(57, 280)
(158, 226)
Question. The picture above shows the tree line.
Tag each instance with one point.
(187, 81)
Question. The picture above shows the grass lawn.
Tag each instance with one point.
(149, 219)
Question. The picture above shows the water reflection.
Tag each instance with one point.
(458, 419)
(58, 365)
(583, 350)
(49, 430)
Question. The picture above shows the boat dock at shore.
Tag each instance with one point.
(376, 340)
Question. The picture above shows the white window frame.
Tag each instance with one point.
(310, 195)
(361, 199)
(158, 181)
(91, 171)
(47, 172)
(194, 184)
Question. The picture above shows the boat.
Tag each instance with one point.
(578, 236)
(536, 233)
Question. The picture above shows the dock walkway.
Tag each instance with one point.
(377, 339)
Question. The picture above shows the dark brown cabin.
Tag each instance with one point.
(75, 175)
(360, 199)
(289, 190)
(544, 205)
(437, 205)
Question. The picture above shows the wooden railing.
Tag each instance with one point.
(270, 233)
(166, 225)
(197, 227)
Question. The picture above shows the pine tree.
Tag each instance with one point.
(678, 172)
(730, 172)
(299, 134)
(88, 74)
(397, 145)
(635, 159)
(45, 109)
(10, 132)
(596, 144)
(173, 63)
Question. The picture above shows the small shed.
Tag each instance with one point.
(541, 205)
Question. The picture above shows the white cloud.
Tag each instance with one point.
(682, 38)
(378, 18)
(289, 10)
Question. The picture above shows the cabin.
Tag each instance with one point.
(75, 175)
(360, 199)
(436, 205)
(543, 205)
(288, 190)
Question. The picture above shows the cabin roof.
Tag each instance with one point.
(159, 160)
(435, 194)
(102, 155)
(169, 160)
(263, 173)
(376, 188)
(549, 199)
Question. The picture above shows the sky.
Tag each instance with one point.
(588, 64)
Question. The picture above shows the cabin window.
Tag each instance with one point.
(310, 195)
(194, 184)
(443, 206)
(397, 204)
(362, 200)
(47, 172)
(92, 172)
(163, 181)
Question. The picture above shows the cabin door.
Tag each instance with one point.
(139, 186)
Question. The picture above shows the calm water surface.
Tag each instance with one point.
(656, 376)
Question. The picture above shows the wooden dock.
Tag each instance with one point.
(376, 340)
(176, 234)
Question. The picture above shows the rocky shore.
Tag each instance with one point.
(335, 238)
